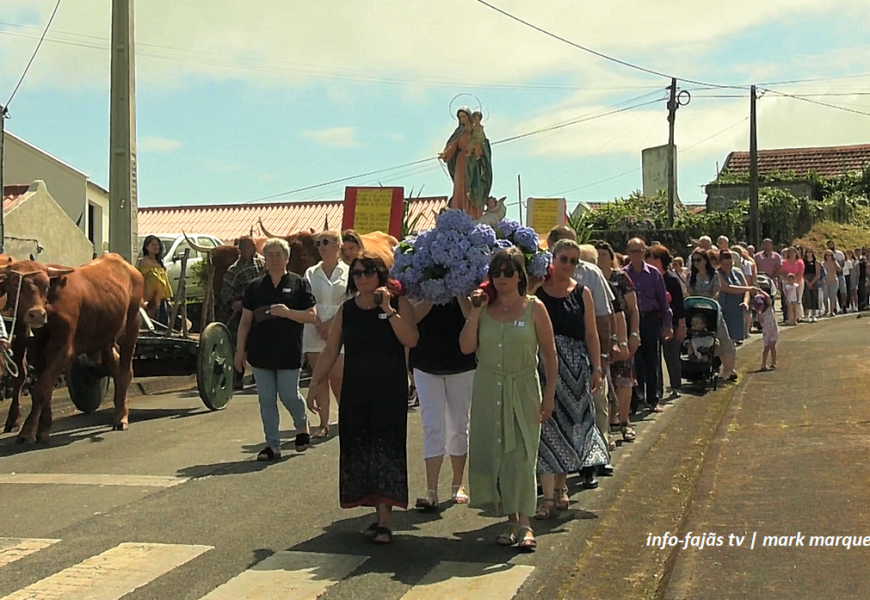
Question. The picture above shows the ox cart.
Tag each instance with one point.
(161, 352)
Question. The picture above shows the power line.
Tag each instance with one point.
(805, 99)
(794, 81)
(686, 149)
(605, 56)
(33, 56)
(424, 160)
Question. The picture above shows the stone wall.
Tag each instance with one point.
(721, 197)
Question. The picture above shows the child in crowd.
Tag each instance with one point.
(769, 329)
(791, 300)
(699, 347)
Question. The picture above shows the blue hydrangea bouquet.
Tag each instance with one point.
(452, 259)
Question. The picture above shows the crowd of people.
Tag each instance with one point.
(523, 383)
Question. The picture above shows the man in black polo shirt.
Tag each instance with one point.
(275, 306)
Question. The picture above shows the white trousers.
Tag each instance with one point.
(445, 405)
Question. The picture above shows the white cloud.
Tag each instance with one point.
(336, 137)
(455, 43)
(158, 144)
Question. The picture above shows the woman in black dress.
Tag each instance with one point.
(375, 326)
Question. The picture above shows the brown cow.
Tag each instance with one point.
(92, 310)
(303, 254)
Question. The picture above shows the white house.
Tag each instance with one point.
(85, 202)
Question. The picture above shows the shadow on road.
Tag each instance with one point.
(241, 467)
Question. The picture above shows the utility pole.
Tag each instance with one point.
(754, 220)
(2, 212)
(123, 201)
(672, 117)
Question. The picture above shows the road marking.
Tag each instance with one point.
(470, 580)
(112, 574)
(288, 576)
(11, 549)
(92, 479)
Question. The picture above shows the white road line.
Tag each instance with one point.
(112, 574)
(470, 580)
(11, 549)
(288, 576)
(92, 479)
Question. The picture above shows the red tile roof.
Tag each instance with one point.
(828, 161)
(12, 193)
(229, 221)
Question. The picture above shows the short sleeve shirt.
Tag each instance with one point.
(275, 343)
(590, 276)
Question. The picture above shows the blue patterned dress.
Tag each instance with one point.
(570, 439)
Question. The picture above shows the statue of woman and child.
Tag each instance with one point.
(469, 161)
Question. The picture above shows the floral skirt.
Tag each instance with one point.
(570, 439)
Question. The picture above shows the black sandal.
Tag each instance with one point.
(303, 441)
(371, 531)
(268, 453)
(382, 531)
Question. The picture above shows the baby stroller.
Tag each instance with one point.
(765, 283)
(698, 362)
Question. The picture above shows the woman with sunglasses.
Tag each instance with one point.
(570, 440)
(328, 280)
(375, 326)
(507, 406)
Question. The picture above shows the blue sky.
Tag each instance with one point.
(240, 103)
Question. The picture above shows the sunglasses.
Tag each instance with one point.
(323, 242)
(507, 272)
(567, 259)
(367, 272)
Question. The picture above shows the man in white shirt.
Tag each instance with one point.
(841, 280)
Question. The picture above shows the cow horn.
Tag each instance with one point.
(59, 271)
(266, 232)
(194, 245)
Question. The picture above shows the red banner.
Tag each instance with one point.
(368, 209)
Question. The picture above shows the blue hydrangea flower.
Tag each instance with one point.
(507, 227)
(539, 264)
(526, 238)
(456, 220)
(482, 235)
(502, 245)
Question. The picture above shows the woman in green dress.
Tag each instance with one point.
(507, 406)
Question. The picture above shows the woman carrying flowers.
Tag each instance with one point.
(508, 407)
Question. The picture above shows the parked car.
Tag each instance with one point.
(174, 246)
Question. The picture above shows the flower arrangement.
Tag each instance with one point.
(445, 262)
(511, 233)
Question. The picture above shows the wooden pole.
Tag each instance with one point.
(754, 217)
(672, 117)
(208, 300)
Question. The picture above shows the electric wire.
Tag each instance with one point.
(32, 57)
(605, 56)
(809, 100)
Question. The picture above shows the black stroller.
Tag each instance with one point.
(698, 361)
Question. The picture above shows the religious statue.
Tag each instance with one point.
(469, 161)
(495, 211)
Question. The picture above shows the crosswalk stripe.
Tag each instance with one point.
(112, 574)
(93, 479)
(470, 580)
(12, 549)
(288, 576)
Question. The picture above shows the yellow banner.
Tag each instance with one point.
(544, 214)
(373, 210)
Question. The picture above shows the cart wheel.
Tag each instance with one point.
(87, 385)
(214, 366)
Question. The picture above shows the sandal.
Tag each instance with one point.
(628, 434)
(506, 539)
(564, 500)
(382, 536)
(371, 531)
(429, 501)
(303, 441)
(322, 432)
(547, 511)
(528, 542)
(269, 453)
(459, 495)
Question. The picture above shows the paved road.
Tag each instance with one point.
(177, 508)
